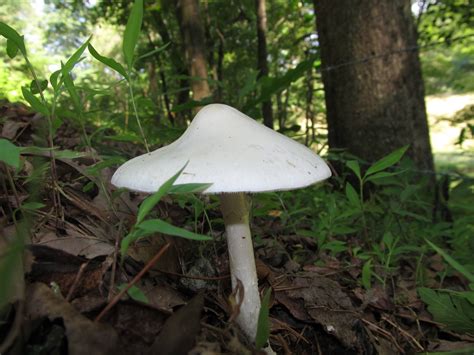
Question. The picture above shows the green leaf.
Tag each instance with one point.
(76, 99)
(456, 313)
(135, 293)
(32, 206)
(34, 102)
(43, 84)
(13, 36)
(150, 202)
(263, 325)
(152, 226)
(387, 161)
(9, 153)
(111, 63)
(352, 195)
(382, 174)
(53, 79)
(354, 166)
(12, 49)
(454, 264)
(157, 50)
(367, 274)
(58, 154)
(72, 61)
(188, 188)
(132, 31)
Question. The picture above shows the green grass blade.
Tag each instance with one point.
(454, 264)
(148, 204)
(263, 325)
(132, 31)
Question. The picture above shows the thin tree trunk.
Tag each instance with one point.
(176, 59)
(372, 78)
(192, 30)
(262, 65)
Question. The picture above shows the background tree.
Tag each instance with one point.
(262, 65)
(192, 30)
(372, 79)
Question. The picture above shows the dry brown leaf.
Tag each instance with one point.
(84, 336)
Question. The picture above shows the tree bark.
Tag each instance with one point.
(192, 30)
(262, 65)
(372, 78)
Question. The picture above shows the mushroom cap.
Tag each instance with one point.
(232, 151)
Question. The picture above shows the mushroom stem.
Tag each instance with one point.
(235, 210)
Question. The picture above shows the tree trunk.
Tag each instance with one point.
(262, 65)
(192, 30)
(176, 59)
(372, 79)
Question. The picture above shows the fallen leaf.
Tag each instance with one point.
(180, 330)
(84, 337)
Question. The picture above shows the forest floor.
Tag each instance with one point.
(183, 303)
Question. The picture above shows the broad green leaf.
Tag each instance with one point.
(12, 35)
(148, 204)
(455, 312)
(12, 49)
(34, 102)
(263, 325)
(132, 31)
(43, 84)
(135, 293)
(9, 153)
(72, 61)
(367, 274)
(387, 161)
(53, 79)
(454, 264)
(188, 188)
(354, 166)
(111, 63)
(352, 195)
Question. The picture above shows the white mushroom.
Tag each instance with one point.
(237, 155)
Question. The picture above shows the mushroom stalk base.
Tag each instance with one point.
(235, 210)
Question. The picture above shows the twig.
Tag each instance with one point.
(134, 281)
(76, 280)
(114, 265)
(385, 334)
(404, 332)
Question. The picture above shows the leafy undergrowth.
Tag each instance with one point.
(347, 262)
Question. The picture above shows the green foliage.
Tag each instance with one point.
(135, 293)
(132, 31)
(144, 227)
(9, 153)
(263, 325)
(456, 313)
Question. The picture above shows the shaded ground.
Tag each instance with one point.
(183, 303)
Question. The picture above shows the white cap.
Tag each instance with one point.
(230, 150)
